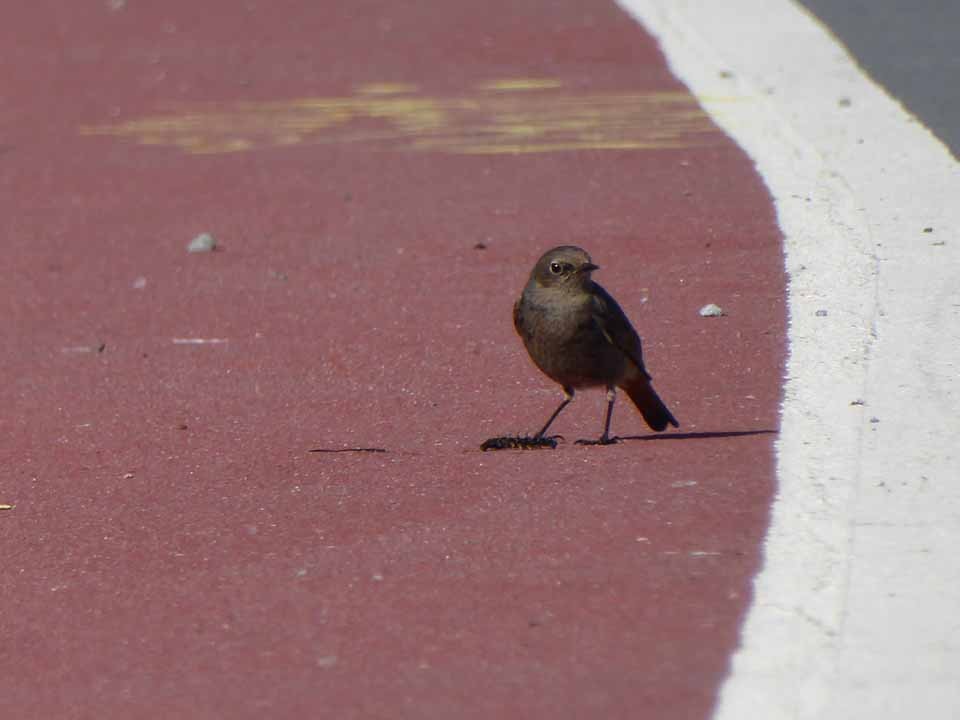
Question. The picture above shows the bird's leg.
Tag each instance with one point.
(605, 439)
(567, 397)
(611, 398)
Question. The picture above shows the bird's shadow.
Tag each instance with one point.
(511, 442)
(698, 435)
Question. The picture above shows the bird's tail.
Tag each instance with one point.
(649, 404)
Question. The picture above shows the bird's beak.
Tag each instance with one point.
(589, 267)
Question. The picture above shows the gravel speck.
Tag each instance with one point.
(711, 310)
(203, 242)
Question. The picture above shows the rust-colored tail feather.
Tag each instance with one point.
(650, 405)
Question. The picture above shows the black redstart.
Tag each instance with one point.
(578, 336)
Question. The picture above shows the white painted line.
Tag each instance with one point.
(857, 609)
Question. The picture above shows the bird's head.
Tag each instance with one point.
(566, 266)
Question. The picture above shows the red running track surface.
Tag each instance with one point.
(380, 178)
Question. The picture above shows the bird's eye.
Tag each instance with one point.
(556, 268)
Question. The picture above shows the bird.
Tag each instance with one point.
(579, 337)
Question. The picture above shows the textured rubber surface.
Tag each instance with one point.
(174, 548)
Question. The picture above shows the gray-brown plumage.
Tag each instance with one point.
(577, 335)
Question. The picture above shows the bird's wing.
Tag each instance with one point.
(616, 328)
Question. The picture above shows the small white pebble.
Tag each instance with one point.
(711, 310)
(203, 242)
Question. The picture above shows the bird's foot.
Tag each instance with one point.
(604, 440)
(518, 442)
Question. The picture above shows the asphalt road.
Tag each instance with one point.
(910, 48)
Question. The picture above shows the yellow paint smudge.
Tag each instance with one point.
(385, 88)
(395, 117)
(520, 84)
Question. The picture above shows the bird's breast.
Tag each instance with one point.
(565, 342)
